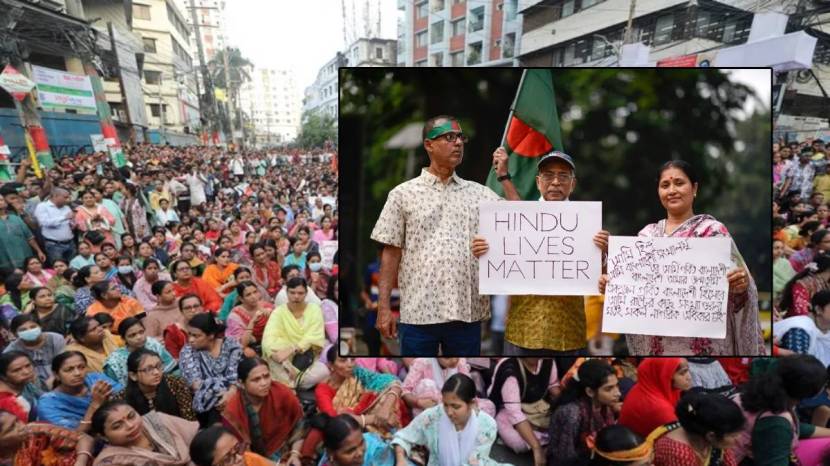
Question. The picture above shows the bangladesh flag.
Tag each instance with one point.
(532, 131)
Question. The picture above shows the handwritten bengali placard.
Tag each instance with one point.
(667, 286)
(540, 247)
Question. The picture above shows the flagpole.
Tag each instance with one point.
(510, 116)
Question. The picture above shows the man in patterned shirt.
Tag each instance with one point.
(544, 325)
(798, 177)
(426, 227)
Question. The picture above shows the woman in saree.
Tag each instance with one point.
(77, 394)
(154, 439)
(800, 289)
(455, 432)
(808, 334)
(19, 390)
(132, 332)
(247, 321)
(150, 389)
(347, 445)
(241, 274)
(265, 414)
(216, 446)
(677, 188)
(39, 444)
(650, 404)
(589, 402)
(209, 362)
(374, 398)
(165, 312)
(93, 341)
(708, 426)
(92, 216)
(52, 316)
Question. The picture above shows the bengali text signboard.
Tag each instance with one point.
(58, 90)
(667, 286)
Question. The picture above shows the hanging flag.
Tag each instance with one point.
(532, 131)
(5, 169)
(220, 95)
(15, 83)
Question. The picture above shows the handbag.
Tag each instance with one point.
(304, 360)
(538, 412)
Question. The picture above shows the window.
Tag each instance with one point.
(457, 58)
(568, 8)
(141, 11)
(458, 27)
(152, 77)
(421, 10)
(437, 32)
(421, 39)
(729, 32)
(510, 9)
(438, 59)
(509, 45)
(477, 21)
(379, 53)
(598, 49)
(155, 110)
(703, 24)
(474, 55)
(663, 29)
(589, 3)
(149, 45)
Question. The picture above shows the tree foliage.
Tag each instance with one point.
(316, 130)
(620, 125)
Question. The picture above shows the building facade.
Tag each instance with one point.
(591, 32)
(459, 32)
(210, 14)
(321, 96)
(272, 102)
(170, 66)
(372, 52)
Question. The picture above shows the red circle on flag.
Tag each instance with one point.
(526, 141)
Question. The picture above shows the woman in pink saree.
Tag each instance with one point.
(677, 188)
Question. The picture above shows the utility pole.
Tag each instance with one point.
(161, 110)
(130, 126)
(225, 61)
(627, 38)
(210, 97)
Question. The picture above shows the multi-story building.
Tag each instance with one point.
(211, 17)
(459, 32)
(169, 66)
(590, 32)
(372, 52)
(272, 102)
(321, 97)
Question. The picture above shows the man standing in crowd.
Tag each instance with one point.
(55, 219)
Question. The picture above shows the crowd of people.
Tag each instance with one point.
(801, 248)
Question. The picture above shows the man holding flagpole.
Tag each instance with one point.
(538, 325)
(426, 227)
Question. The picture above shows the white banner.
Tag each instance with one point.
(667, 286)
(98, 143)
(58, 90)
(327, 251)
(540, 247)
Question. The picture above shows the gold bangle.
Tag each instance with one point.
(85, 422)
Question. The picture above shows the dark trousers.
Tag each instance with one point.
(454, 338)
(56, 250)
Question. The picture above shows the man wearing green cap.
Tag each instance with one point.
(426, 227)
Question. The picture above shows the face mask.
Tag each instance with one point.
(29, 335)
(315, 266)
(125, 269)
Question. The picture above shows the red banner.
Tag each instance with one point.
(685, 61)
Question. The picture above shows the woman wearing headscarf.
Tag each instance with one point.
(651, 402)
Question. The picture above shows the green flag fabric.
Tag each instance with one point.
(532, 131)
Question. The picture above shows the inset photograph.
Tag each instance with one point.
(555, 212)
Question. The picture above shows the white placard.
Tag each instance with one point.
(4, 149)
(98, 143)
(540, 247)
(327, 251)
(667, 286)
(58, 90)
